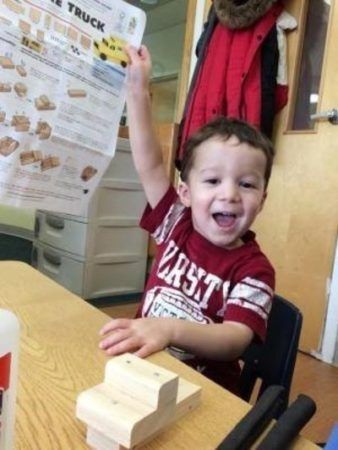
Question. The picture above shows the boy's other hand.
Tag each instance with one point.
(142, 336)
(139, 69)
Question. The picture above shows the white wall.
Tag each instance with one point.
(331, 324)
(166, 58)
(17, 217)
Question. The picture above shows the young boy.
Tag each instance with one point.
(209, 270)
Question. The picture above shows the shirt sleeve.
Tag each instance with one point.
(161, 220)
(249, 301)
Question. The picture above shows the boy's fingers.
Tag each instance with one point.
(144, 51)
(134, 54)
(113, 325)
(124, 346)
(114, 339)
(144, 351)
(130, 49)
(131, 52)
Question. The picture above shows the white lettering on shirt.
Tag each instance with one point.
(176, 269)
(169, 253)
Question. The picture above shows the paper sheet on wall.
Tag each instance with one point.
(62, 93)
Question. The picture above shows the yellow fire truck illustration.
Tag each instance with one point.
(111, 49)
(32, 44)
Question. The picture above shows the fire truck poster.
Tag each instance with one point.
(62, 94)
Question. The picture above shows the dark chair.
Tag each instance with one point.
(278, 435)
(274, 361)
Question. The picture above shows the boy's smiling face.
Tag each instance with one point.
(225, 189)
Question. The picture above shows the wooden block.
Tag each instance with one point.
(72, 33)
(112, 413)
(5, 20)
(40, 35)
(188, 398)
(142, 380)
(77, 93)
(35, 15)
(85, 41)
(20, 89)
(8, 145)
(50, 162)
(22, 127)
(44, 100)
(6, 63)
(60, 27)
(99, 441)
(14, 6)
(19, 119)
(47, 21)
(21, 71)
(43, 103)
(87, 173)
(5, 87)
(136, 401)
(30, 157)
(43, 130)
(24, 26)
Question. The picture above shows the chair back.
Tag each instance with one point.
(273, 361)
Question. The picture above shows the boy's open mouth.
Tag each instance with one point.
(224, 219)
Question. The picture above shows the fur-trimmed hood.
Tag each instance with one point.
(241, 13)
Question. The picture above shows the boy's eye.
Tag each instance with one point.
(247, 185)
(211, 181)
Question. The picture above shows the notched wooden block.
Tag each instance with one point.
(42, 103)
(20, 89)
(30, 157)
(5, 87)
(77, 93)
(142, 380)
(135, 402)
(6, 63)
(21, 70)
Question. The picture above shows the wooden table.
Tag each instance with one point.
(59, 358)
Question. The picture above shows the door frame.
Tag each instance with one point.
(330, 334)
(194, 25)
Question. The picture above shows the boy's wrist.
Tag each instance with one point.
(174, 327)
(139, 94)
(169, 327)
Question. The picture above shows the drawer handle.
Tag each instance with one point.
(52, 258)
(55, 222)
(36, 226)
(34, 257)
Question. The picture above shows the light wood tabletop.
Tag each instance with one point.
(59, 358)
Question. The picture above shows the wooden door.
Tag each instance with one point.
(298, 227)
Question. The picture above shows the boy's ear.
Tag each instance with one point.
(263, 200)
(184, 194)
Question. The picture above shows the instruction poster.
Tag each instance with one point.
(62, 93)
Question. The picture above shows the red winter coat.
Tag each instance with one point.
(229, 80)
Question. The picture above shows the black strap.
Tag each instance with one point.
(289, 424)
(245, 433)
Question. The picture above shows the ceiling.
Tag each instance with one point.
(147, 5)
(164, 14)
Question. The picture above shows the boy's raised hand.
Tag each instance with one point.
(142, 336)
(139, 69)
(146, 150)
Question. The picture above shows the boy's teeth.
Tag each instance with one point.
(225, 214)
(224, 219)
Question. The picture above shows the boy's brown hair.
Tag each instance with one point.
(224, 128)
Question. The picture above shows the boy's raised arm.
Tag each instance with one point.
(146, 150)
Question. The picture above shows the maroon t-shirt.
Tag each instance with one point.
(192, 279)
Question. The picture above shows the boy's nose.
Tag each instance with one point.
(228, 192)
